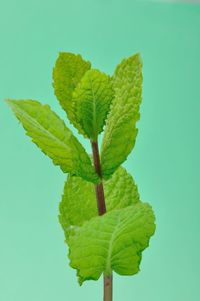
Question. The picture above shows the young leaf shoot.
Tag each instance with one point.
(105, 223)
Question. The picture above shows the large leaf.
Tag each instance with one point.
(67, 73)
(79, 199)
(120, 131)
(113, 241)
(51, 135)
(91, 101)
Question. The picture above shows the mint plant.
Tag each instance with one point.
(106, 225)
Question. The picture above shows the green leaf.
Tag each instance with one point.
(78, 204)
(120, 131)
(112, 242)
(51, 135)
(67, 73)
(91, 100)
(120, 190)
(79, 199)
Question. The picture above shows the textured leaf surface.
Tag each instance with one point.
(91, 100)
(113, 241)
(120, 190)
(51, 135)
(67, 73)
(79, 199)
(78, 204)
(120, 131)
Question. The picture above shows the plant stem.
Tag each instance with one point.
(101, 205)
(108, 288)
(99, 187)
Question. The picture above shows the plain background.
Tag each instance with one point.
(165, 161)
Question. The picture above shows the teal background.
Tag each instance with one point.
(165, 161)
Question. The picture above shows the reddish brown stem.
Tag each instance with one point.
(96, 158)
(99, 187)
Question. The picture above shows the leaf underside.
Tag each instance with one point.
(55, 140)
(113, 241)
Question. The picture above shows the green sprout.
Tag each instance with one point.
(106, 225)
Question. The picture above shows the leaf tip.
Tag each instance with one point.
(9, 102)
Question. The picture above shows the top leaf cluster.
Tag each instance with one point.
(92, 99)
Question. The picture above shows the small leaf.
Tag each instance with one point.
(51, 135)
(121, 131)
(79, 199)
(67, 73)
(91, 100)
(114, 241)
(120, 190)
(78, 204)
